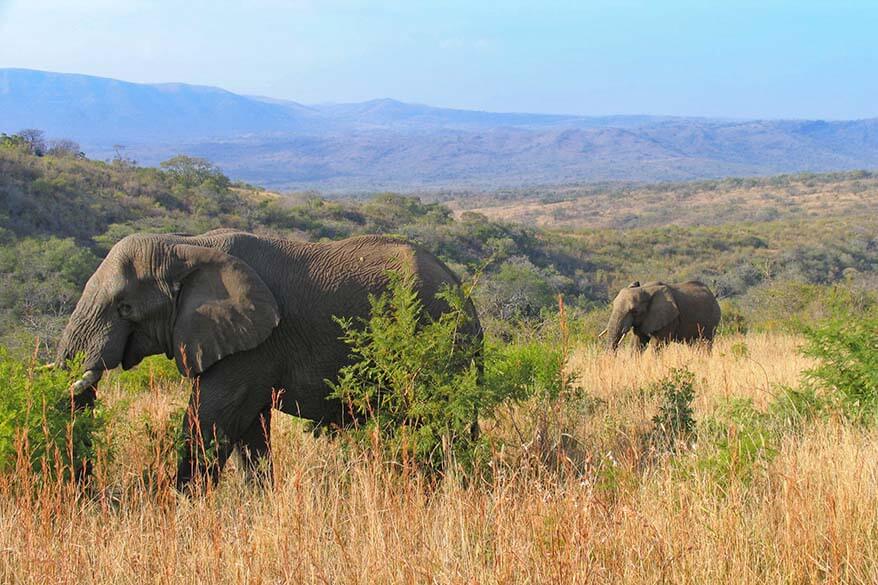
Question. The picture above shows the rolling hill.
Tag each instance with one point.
(387, 144)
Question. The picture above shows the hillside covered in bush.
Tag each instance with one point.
(60, 213)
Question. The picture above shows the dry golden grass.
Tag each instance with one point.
(689, 205)
(808, 515)
(750, 366)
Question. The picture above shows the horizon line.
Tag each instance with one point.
(723, 118)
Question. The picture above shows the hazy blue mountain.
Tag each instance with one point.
(388, 113)
(390, 144)
(98, 111)
(370, 160)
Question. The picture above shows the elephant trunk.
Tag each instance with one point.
(617, 327)
(72, 343)
(100, 339)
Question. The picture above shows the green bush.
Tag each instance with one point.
(153, 369)
(737, 439)
(774, 271)
(674, 424)
(36, 419)
(523, 370)
(740, 437)
(413, 387)
(792, 407)
(846, 347)
(733, 320)
(788, 305)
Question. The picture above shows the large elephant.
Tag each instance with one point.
(245, 317)
(665, 312)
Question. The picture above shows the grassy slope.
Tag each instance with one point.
(684, 204)
(808, 515)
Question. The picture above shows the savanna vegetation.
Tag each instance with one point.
(694, 203)
(753, 463)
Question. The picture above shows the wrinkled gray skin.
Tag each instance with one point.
(666, 312)
(243, 316)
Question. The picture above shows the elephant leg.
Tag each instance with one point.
(226, 403)
(207, 441)
(254, 447)
(643, 341)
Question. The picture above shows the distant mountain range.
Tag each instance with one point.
(386, 144)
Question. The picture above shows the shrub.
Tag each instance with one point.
(739, 437)
(532, 372)
(792, 306)
(413, 387)
(735, 440)
(36, 420)
(739, 350)
(846, 347)
(190, 171)
(792, 407)
(156, 368)
(733, 320)
(674, 424)
(518, 290)
(524, 370)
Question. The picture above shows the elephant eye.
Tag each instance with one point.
(125, 310)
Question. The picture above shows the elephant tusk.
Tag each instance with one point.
(602, 333)
(88, 380)
(49, 366)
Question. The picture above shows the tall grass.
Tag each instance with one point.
(808, 514)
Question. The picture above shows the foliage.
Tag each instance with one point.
(793, 407)
(733, 320)
(519, 289)
(738, 437)
(65, 148)
(735, 441)
(190, 171)
(153, 370)
(32, 140)
(36, 420)
(13, 142)
(846, 347)
(773, 272)
(413, 387)
(523, 370)
(40, 282)
(674, 424)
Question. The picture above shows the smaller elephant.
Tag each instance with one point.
(666, 312)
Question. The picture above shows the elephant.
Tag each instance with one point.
(666, 312)
(250, 319)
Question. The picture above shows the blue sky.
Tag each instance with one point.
(772, 59)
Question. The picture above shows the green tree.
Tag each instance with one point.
(190, 171)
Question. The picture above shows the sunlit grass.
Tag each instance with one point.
(809, 514)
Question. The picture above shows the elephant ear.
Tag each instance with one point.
(661, 312)
(223, 307)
